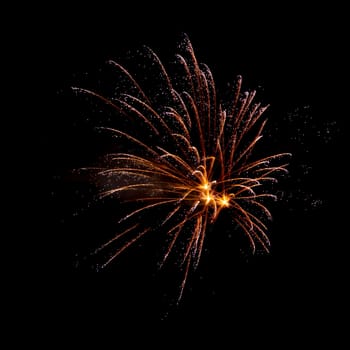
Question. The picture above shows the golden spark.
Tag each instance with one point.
(187, 154)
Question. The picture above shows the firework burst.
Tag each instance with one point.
(184, 158)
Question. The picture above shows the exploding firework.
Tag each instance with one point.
(183, 158)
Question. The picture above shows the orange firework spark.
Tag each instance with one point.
(189, 158)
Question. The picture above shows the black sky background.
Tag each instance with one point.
(296, 60)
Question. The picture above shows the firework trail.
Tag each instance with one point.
(186, 157)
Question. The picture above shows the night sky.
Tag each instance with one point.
(294, 59)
